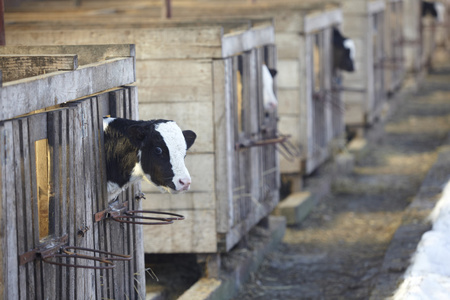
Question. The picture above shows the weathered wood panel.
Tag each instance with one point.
(174, 81)
(74, 143)
(195, 234)
(86, 54)
(52, 89)
(16, 67)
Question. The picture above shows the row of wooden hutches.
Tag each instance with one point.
(67, 64)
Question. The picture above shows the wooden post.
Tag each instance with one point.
(2, 24)
(166, 12)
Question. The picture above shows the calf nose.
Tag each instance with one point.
(185, 183)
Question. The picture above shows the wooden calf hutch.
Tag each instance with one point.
(207, 77)
(363, 90)
(310, 107)
(55, 215)
(234, 163)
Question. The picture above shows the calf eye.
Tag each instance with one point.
(158, 150)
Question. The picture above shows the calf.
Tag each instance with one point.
(435, 9)
(269, 100)
(343, 52)
(152, 150)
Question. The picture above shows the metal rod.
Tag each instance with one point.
(162, 221)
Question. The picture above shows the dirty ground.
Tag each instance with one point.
(337, 252)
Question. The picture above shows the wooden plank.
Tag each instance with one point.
(87, 213)
(72, 138)
(235, 43)
(138, 254)
(87, 54)
(2, 217)
(51, 89)
(97, 200)
(151, 43)
(128, 228)
(134, 102)
(116, 228)
(174, 80)
(10, 262)
(64, 183)
(28, 213)
(222, 70)
(195, 234)
(22, 66)
(376, 6)
(48, 208)
(289, 73)
(101, 101)
(315, 22)
(79, 194)
(255, 170)
(20, 204)
(37, 128)
(105, 227)
(191, 200)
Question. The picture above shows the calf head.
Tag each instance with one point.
(269, 100)
(429, 8)
(151, 150)
(343, 52)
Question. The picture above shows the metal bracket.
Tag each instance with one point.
(57, 248)
(119, 212)
(260, 143)
(282, 143)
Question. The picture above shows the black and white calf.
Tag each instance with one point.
(151, 150)
(435, 9)
(269, 100)
(343, 52)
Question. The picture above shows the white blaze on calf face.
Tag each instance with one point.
(440, 9)
(106, 122)
(269, 99)
(350, 45)
(175, 142)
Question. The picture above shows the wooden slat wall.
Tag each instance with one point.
(78, 191)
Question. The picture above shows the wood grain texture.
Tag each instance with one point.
(22, 66)
(56, 88)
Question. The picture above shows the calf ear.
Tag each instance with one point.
(190, 137)
(136, 134)
(273, 72)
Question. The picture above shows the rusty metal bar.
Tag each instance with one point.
(119, 212)
(131, 214)
(349, 89)
(115, 208)
(56, 248)
(47, 248)
(260, 143)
